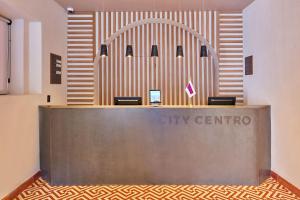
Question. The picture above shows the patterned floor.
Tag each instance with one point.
(40, 190)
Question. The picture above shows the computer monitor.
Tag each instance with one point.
(128, 101)
(222, 101)
(155, 97)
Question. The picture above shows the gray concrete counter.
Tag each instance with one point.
(162, 145)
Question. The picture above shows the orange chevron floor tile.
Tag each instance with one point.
(270, 189)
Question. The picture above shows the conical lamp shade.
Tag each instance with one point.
(129, 51)
(179, 51)
(154, 51)
(103, 52)
(203, 52)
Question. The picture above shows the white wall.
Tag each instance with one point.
(35, 58)
(3, 57)
(272, 31)
(19, 140)
(18, 62)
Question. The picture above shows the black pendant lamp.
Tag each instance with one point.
(154, 51)
(179, 51)
(103, 51)
(203, 52)
(129, 51)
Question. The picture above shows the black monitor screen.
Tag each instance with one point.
(128, 101)
(226, 101)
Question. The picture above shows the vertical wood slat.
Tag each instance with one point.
(169, 71)
(120, 76)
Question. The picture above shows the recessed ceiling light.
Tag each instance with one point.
(70, 9)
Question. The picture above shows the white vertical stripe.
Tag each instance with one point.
(116, 54)
(152, 59)
(156, 63)
(212, 30)
(189, 49)
(210, 58)
(170, 60)
(161, 56)
(134, 68)
(111, 59)
(102, 60)
(138, 81)
(202, 60)
(185, 57)
(121, 56)
(143, 56)
(166, 63)
(175, 60)
(106, 37)
(96, 75)
(188, 45)
(193, 57)
(205, 59)
(215, 40)
(180, 61)
(147, 58)
(125, 58)
(198, 62)
(215, 32)
(129, 59)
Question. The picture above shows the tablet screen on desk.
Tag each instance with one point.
(155, 96)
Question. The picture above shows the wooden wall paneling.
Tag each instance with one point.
(170, 66)
(231, 55)
(184, 64)
(161, 77)
(147, 59)
(81, 52)
(116, 50)
(111, 60)
(175, 73)
(179, 70)
(151, 60)
(164, 57)
(199, 63)
(107, 63)
(137, 53)
(121, 76)
(210, 65)
(193, 61)
(134, 61)
(188, 59)
(101, 63)
(125, 83)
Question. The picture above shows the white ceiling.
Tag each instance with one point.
(154, 5)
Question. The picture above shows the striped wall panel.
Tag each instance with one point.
(121, 76)
(81, 53)
(231, 55)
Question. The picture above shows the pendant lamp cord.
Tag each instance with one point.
(202, 7)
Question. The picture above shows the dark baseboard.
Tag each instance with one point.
(285, 183)
(22, 187)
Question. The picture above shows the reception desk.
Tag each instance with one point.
(155, 145)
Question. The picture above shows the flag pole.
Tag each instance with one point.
(190, 98)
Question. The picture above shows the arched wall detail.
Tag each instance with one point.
(194, 33)
(121, 76)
